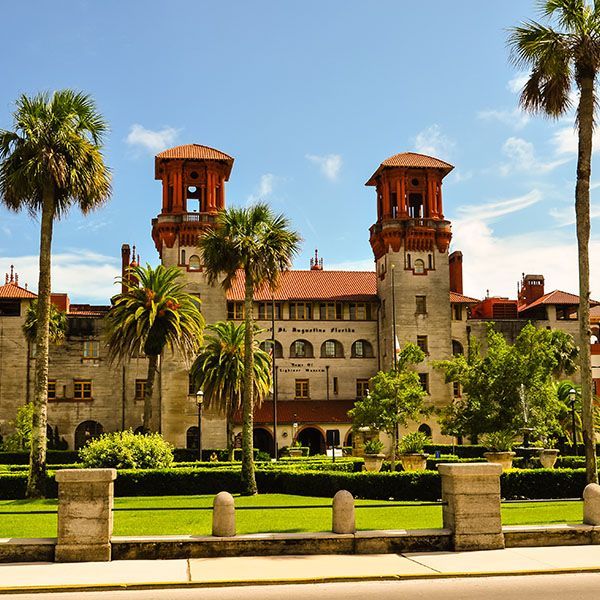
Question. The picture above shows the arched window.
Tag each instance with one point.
(182, 257)
(194, 263)
(301, 349)
(191, 438)
(457, 347)
(424, 428)
(419, 266)
(87, 431)
(267, 344)
(332, 349)
(362, 349)
(408, 262)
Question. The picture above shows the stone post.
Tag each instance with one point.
(591, 504)
(343, 513)
(223, 524)
(472, 510)
(85, 518)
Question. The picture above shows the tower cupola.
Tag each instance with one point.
(193, 190)
(409, 204)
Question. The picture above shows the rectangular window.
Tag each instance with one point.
(82, 389)
(301, 311)
(362, 388)
(265, 311)
(457, 312)
(91, 349)
(424, 379)
(421, 305)
(51, 389)
(567, 313)
(456, 391)
(330, 311)
(10, 308)
(360, 311)
(302, 390)
(191, 388)
(140, 389)
(235, 311)
(422, 343)
(336, 388)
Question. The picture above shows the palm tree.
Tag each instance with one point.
(153, 313)
(258, 245)
(558, 58)
(57, 325)
(49, 162)
(219, 371)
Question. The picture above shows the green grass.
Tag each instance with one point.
(182, 522)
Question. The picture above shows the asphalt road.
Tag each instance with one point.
(577, 586)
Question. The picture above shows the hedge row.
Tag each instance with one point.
(59, 457)
(424, 485)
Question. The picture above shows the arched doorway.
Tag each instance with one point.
(313, 439)
(87, 431)
(263, 440)
(424, 428)
(349, 440)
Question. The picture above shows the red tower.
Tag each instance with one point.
(409, 204)
(193, 180)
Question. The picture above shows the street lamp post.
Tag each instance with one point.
(199, 401)
(572, 398)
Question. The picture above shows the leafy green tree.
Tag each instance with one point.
(153, 314)
(394, 398)
(20, 438)
(257, 245)
(219, 371)
(559, 55)
(511, 386)
(50, 161)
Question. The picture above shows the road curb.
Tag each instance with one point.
(287, 581)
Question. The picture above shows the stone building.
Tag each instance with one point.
(332, 330)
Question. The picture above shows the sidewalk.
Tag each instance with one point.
(138, 574)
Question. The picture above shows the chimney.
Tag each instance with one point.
(456, 277)
(316, 263)
(125, 259)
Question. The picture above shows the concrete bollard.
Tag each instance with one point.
(591, 504)
(343, 513)
(85, 518)
(472, 510)
(223, 524)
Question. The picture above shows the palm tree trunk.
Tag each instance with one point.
(582, 213)
(248, 477)
(37, 457)
(230, 437)
(152, 365)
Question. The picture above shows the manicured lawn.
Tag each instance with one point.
(305, 518)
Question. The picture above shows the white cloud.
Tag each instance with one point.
(565, 140)
(330, 164)
(84, 275)
(496, 263)
(433, 142)
(149, 140)
(522, 158)
(493, 210)
(264, 189)
(516, 84)
(517, 119)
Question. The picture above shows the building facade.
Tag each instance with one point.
(330, 330)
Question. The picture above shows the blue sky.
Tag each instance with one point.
(309, 97)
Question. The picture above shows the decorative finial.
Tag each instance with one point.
(12, 273)
(316, 263)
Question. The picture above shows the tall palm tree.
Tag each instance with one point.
(219, 371)
(50, 161)
(557, 58)
(57, 324)
(152, 314)
(258, 245)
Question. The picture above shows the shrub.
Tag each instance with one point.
(413, 443)
(499, 441)
(52, 457)
(374, 446)
(126, 450)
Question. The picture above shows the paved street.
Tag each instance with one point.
(579, 586)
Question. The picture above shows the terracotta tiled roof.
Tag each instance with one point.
(302, 412)
(460, 299)
(14, 291)
(555, 297)
(595, 314)
(412, 160)
(314, 285)
(194, 151)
